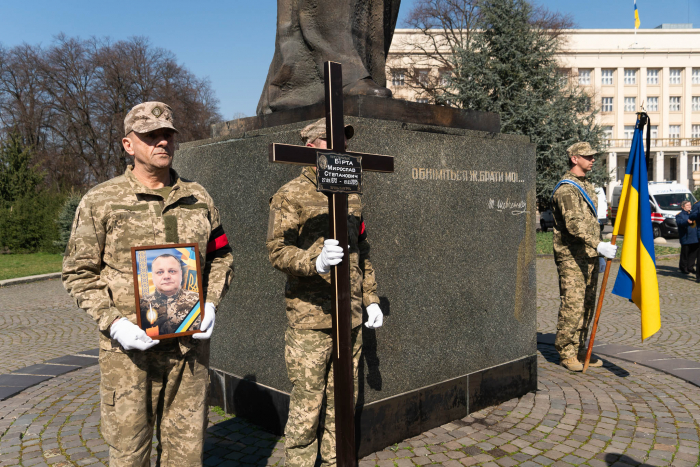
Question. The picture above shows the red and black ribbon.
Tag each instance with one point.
(363, 231)
(217, 240)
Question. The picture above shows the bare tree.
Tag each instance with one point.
(68, 101)
(446, 27)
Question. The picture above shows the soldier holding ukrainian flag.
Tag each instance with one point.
(578, 254)
(145, 382)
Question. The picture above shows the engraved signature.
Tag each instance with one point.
(517, 207)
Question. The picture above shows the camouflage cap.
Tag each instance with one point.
(581, 149)
(148, 116)
(318, 130)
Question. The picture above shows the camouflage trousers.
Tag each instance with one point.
(309, 367)
(578, 280)
(140, 390)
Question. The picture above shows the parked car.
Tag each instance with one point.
(665, 199)
(546, 220)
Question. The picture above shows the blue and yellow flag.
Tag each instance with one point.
(636, 16)
(636, 279)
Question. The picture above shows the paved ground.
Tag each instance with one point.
(38, 322)
(619, 415)
(620, 322)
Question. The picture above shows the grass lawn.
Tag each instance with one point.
(12, 266)
(544, 246)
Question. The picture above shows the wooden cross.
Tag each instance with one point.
(340, 274)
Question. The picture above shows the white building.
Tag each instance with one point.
(658, 69)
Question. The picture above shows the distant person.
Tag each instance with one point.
(578, 253)
(169, 300)
(688, 236)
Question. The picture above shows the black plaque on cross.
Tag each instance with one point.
(340, 274)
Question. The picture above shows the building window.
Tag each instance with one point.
(695, 129)
(629, 131)
(674, 104)
(584, 76)
(423, 100)
(607, 76)
(398, 78)
(630, 76)
(675, 76)
(652, 76)
(696, 163)
(654, 130)
(422, 77)
(607, 104)
(674, 131)
(653, 104)
(696, 103)
(630, 104)
(607, 135)
(696, 75)
(445, 76)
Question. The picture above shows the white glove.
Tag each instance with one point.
(607, 249)
(331, 255)
(207, 325)
(375, 318)
(602, 264)
(130, 336)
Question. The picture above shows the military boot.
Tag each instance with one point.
(572, 364)
(594, 362)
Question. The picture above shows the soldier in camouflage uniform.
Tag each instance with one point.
(297, 246)
(577, 251)
(148, 205)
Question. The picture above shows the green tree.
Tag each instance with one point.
(27, 212)
(65, 219)
(509, 67)
(17, 176)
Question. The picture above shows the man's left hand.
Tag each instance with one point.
(207, 325)
(375, 318)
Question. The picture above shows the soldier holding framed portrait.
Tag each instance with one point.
(145, 380)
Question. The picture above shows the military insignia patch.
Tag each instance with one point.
(157, 111)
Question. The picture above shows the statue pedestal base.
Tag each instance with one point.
(453, 245)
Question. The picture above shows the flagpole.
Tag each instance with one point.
(608, 265)
(644, 122)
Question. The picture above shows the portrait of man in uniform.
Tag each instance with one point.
(168, 297)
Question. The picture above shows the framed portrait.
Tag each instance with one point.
(168, 289)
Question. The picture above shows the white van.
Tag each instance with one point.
(665, 200)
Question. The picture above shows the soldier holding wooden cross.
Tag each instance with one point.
(298, 246)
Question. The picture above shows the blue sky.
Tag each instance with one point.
(232, 41)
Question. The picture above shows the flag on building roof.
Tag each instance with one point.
(636, 278)
(636, 16)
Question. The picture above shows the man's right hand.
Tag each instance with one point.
(331, 255)
(130, 336)
(607, 249)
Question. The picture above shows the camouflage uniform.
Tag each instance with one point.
(171, 310)
(168, 383)
(297, 227)
(576, 237)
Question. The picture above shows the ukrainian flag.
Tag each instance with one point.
(636, 279)
(636, 16)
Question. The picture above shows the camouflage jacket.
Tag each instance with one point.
(576, 228)
(170, 311)
(297, 227)
(121, 213)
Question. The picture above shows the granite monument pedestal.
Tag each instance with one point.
(453, 245)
